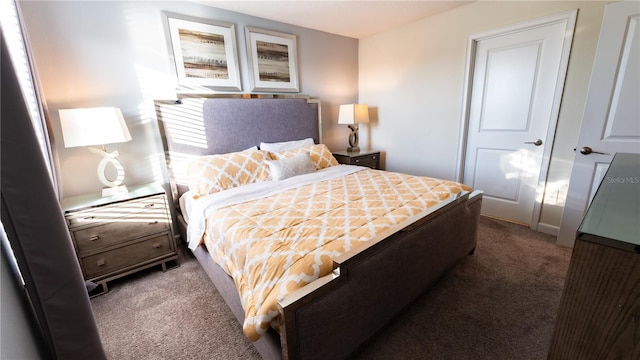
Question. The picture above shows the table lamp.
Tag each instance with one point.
(352, 115)
(97, 126)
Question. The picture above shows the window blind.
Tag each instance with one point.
(15, 39)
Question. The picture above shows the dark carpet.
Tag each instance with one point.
(499, 303)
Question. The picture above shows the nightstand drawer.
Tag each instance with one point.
(150, 206)
(366, 161)
(119, 230)
(130, 255)
(368, 158)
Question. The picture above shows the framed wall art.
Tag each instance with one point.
(272, 60)
(205, 53)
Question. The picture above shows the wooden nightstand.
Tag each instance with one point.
(368, 158)
(119, 235)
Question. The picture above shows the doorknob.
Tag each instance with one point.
(587, 150)
(538, 142)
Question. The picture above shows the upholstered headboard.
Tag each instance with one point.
(194, 127)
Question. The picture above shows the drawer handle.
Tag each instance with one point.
(153, 222)
(156, 245)
(94, 238)
(90, 218)
(101, 262)
(373, 157)
(149, 205)
(357, 160)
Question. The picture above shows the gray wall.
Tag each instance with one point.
(116, 53)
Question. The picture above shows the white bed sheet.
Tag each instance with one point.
(186, 203)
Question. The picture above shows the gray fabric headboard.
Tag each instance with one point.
(203, 126)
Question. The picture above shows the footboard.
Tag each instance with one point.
(331, 317)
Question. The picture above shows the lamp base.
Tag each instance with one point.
(114, 187)
(353, 139)
(115, 190)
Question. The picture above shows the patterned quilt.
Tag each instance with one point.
(274, 245)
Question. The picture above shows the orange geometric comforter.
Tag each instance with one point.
(275, 245)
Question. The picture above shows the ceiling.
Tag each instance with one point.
(352, 18)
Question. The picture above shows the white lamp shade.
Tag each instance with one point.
(353, 114)
(93, 126)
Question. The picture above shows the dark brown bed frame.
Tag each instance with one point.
(333, 316)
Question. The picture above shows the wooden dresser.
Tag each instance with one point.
(599, 313)
(368, 158)
(118, 235)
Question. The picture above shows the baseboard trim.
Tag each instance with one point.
(542, 227)
(548, 229)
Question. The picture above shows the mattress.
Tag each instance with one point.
(275, 237)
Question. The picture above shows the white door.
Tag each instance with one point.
(611, 121)
(518, 77)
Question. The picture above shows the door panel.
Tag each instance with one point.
(623, 120)
(516, 78)
(611, 118)
(510, 73)
(491, 161)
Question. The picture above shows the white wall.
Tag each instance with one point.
(413, 78)
(116, 53)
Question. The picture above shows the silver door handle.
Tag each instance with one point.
(538, 142)
(587, 150)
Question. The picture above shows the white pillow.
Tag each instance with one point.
(320, 154)
(299, 164)
(286, 145)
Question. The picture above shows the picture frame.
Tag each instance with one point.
(205, 52)
(273, 60)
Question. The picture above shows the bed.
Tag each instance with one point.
(367, 282)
